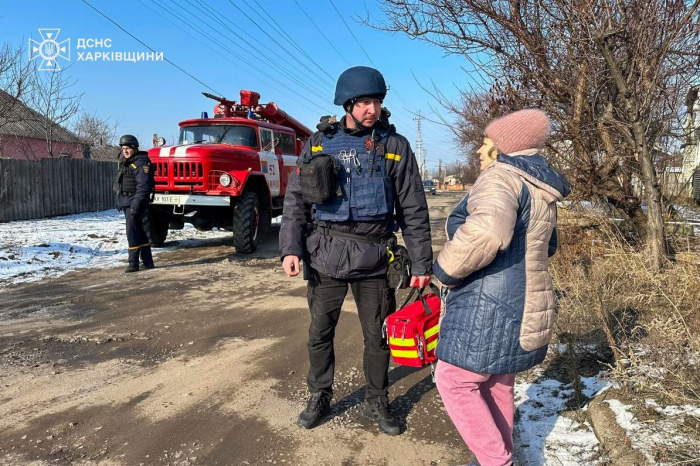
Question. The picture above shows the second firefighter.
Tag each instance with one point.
(133, 187)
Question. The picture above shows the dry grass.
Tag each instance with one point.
(614, 310)
(609, 298)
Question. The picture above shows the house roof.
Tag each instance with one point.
(22, 121)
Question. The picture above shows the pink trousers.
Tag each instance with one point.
(481, 407)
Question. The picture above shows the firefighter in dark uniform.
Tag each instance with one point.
(343, 240)
(133, 187)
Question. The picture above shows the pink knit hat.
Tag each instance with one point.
(524, 129)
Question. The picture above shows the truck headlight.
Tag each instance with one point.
(225, 180)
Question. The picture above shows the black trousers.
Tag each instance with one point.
(135, 234)
(375, 300)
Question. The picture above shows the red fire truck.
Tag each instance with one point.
(229, 171)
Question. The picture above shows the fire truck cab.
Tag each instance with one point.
(228, 172)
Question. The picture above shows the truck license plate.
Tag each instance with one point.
(167, 199)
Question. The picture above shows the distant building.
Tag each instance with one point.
(453, 183)
(690, 150)
(23, 134)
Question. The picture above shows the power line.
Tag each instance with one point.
(296, 45)
(269, 36)
(289, 74)
(398, 94)
(148, 47)
(321, 32)
(300, 69)
(218, 52)
(352, 33)
(232, 53)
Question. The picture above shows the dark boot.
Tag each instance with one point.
(133, 261)
(378, 410)
(147, 257)
(318, 406)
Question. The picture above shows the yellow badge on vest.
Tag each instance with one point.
(133, 165)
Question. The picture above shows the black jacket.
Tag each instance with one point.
(342, 258)
(138, 168)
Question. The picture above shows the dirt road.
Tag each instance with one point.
(201, 361)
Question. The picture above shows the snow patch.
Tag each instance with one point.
(543, 435)
(34, 249)
(646, 436)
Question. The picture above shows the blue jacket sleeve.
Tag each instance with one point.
(553, 243)
(457, 217)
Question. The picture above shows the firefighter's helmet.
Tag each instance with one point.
(359, 81)
(129, 140)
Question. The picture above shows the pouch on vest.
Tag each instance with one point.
(318, 177)
(399, 268)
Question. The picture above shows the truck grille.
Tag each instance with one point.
(161, 170)
(187, 171)
(180, 174)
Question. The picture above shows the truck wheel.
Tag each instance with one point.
(158, 230)
(246, 223)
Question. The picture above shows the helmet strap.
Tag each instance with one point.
(349, 107)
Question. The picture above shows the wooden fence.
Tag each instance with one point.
(49, 187)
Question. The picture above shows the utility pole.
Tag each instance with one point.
(424, 173)
(440, 172)
(419, 144)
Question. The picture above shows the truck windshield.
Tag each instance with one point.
(239, 135)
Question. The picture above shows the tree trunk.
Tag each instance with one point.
(656, 245)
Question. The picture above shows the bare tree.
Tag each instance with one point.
(98, 134)
(51, 98)
(466, 170)
(14, 81)
(612, 75)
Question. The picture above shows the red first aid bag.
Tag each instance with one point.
(412, 331)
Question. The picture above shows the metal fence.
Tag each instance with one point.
(49, 187)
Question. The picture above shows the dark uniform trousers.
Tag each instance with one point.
(137, 238)
(375, 300)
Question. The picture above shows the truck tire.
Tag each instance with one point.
(246, 223)
(158, 230)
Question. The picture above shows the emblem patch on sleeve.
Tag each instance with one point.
(146, 168)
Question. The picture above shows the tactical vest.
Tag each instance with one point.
(366, 193)
(127, 182)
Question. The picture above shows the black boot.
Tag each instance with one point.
(378, 410)
(147, 257)
(133, 261)
(318, 406)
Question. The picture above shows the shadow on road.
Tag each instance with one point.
(401, 406)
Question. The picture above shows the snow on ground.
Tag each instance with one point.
(545, 437)
(662, 432)
(33, 249)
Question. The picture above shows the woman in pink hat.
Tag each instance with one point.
(500, 309)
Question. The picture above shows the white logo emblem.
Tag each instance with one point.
(49, 49)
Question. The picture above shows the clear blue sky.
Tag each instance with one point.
(152, 97)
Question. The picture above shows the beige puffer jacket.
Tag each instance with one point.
(502, 307)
